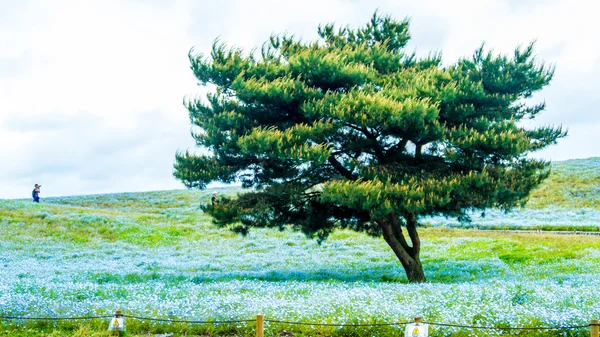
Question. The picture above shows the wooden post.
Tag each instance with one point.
(594, 328)
(260, 326)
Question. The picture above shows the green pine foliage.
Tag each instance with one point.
(353, 132)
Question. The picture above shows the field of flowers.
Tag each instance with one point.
(546, 219)
(156, 255)
(568, 200)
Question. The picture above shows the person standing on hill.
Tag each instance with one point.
(36, 193)
(213, 200)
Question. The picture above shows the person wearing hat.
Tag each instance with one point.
(36, 193)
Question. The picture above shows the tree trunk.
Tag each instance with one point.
(407, 254)
(414, 271)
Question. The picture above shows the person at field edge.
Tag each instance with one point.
(36, 193)
(213, 200)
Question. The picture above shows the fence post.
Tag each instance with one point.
(594, 328)
(117, 324)
(260, 326)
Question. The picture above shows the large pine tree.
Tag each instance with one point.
(350, 131)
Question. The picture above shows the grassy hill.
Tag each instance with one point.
(568, 200)
(156, 255)
(572, 184)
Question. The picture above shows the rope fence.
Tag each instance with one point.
(334, 324)
(567, 327)
(190, 322)
(594, 325)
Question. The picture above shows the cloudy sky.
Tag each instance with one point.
(91, 91)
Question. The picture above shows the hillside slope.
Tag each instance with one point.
(155, 254)
(572, 184)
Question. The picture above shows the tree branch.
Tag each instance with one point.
(388, 235)
(340, 168)
(411, 227)
(370, 136)
(418, 149)
(395, 149)
(397, 230)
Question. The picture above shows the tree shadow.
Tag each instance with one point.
(437, 271)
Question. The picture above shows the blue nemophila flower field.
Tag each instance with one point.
(156, 255)
(549, 219)
(350, 279)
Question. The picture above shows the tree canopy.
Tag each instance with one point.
(352, 131)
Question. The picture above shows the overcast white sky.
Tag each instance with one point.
(91, 91)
